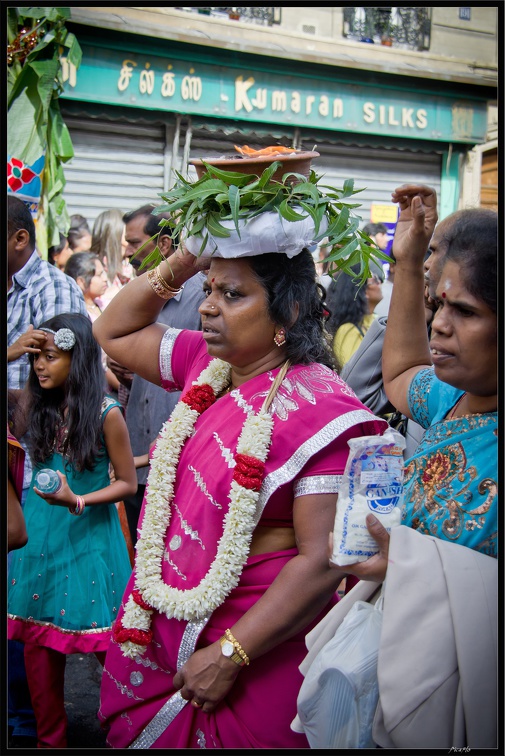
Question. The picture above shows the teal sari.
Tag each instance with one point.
(451, 480)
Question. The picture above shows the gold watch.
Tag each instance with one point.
(228, 650)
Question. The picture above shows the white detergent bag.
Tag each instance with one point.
(372, 484)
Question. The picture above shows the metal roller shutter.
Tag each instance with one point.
(115, 164)
(376, 170)
(125, 161)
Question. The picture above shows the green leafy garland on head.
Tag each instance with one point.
(199, 208)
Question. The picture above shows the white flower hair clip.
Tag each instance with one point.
(64, 338)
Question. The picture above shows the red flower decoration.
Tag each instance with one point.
(199, 398)
(137, 597)
(122, 634)
(248, 472)
(18, 174)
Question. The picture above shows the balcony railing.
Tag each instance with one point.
(249, 14)
(408, 28)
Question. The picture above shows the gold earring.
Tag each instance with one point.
(280, 337)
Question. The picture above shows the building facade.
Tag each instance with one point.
(385, 95)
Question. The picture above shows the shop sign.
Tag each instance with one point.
(383, 213)
(158, 83)
(387, 214)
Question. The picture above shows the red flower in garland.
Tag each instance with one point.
(122, 634)
(248, 472)
(199, 398)
(137, 597)
(18, 174)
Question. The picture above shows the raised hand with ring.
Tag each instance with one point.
(196, 704)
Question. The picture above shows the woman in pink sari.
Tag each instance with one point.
(231, 569)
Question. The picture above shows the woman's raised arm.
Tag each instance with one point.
(406, 347)
(127, 330)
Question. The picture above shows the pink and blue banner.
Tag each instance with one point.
(25, 181)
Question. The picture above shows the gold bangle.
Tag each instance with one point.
(159, 285)
(238, 648)
(164, 283)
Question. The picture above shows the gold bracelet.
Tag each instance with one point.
(159, 285)
(238, 648)
(158, 289)
(229, 650)
(165, 283)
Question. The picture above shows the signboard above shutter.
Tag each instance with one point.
(241, 91)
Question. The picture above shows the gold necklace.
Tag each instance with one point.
(230, 387)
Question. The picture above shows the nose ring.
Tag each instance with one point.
(213, 307)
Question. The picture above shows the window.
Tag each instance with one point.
(407, 28)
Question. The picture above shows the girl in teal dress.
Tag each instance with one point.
(65, 585)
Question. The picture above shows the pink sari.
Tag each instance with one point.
(315, 413)
(16, 462)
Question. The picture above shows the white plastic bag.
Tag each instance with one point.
(338, 697)
(372, 484)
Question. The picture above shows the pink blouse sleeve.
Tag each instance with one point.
(183, 355)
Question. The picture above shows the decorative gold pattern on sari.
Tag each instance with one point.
(442, 490)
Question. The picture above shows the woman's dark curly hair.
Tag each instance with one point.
(82, 394)
(472, 242)
(346, 302)
(291, 282)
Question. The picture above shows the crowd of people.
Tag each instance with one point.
(211, 400)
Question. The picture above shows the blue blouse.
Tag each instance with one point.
(451, 480)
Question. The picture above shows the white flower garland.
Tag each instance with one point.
(233, 547)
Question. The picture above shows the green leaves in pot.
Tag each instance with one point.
(199, 208)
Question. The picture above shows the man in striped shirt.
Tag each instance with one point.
(36, 290)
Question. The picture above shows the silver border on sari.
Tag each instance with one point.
(317, 484)
(175, 703)
(315, 443)
(165, 356)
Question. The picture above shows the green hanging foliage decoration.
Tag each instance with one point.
(38, 41)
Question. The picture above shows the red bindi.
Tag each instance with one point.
(212, 281)
(444, 295)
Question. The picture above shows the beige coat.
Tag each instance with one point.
(438, 655)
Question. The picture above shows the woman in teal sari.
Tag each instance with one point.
(451, 480)
(448, 384)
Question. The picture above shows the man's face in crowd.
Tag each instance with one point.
(382, 240)
(135, 237)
